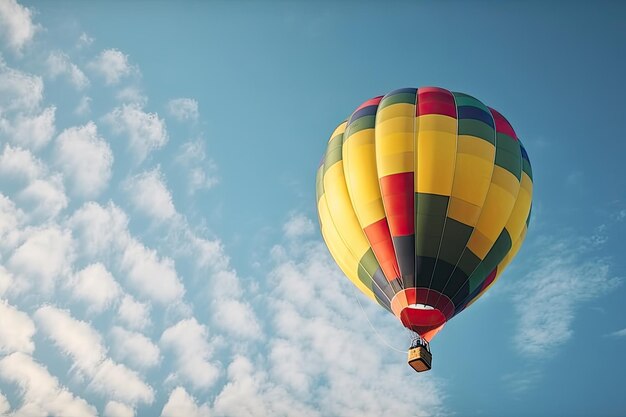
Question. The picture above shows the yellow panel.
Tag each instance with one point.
(480, 244)
(338, 249)
(518, 218)
(340, 207)
(438, 123)
(463, 211)
(499, 203)
(476, 146)
(472, 178)
(505, 180)
(397, 124)
(394, 139)
(396, 110)
(338, 130)
(435, 160)
(359, 158)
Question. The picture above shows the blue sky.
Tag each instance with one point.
(159, 248)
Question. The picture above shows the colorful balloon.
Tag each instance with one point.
(424, 197)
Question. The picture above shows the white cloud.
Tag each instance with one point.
(187, 339)
(183, 109)
(18, 163)
(619, 333)
(180, 403)
(10, 220)
(151, 276)
(133, 313)
(42, 393)
(44, 198)
(95, 286)
(116, 409)
(563, 275)
(332, 380)
(5, 407)
(149, 194)
(134, 348)
(237, 318)
(263, 398)
(43, 258)
(84, 106)
(85, 159)
(132, 95)
(100, 230)
(30, 131)
(146, 131)
(201, 171)
(19, 91)
(59, 64)
(74, 338)
(16, 25)
(298, 225)
(16, 330)
(6, 281)
(112, 64)
(120, 383)
(78, 340)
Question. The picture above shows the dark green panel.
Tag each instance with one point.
(493, 258)
(509, 161)
(455, 238)
(462, 99)
(468, 262)
(365, 122)
(431, 204)
(477, 128)
(407, 98)
(333, 152)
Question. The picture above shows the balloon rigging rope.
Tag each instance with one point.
(373, 328)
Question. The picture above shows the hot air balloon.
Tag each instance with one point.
(424, 197)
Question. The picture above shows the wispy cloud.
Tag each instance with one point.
(562, 275)
(183, 109)
(618, 333)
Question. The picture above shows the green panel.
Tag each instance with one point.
(367, 268)
(527, 168)
(431, 204)
(407, 98)
(468, 262)
(333, 152)
(455, 238)
(365, 122)
(462, 99)
(430, 215)
(494, 257)
(477, 128)
(319, 183)
(510, 162)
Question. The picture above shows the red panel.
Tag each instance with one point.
(371, 102)
(410, 295)
(502, 125)
(378, 236)
(490, 278)
(432, 100)
(398, 199)
(423, 322)
(442, 302)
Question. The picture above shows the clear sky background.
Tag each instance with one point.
(159, 247)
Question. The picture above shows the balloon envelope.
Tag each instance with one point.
(424, 197)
